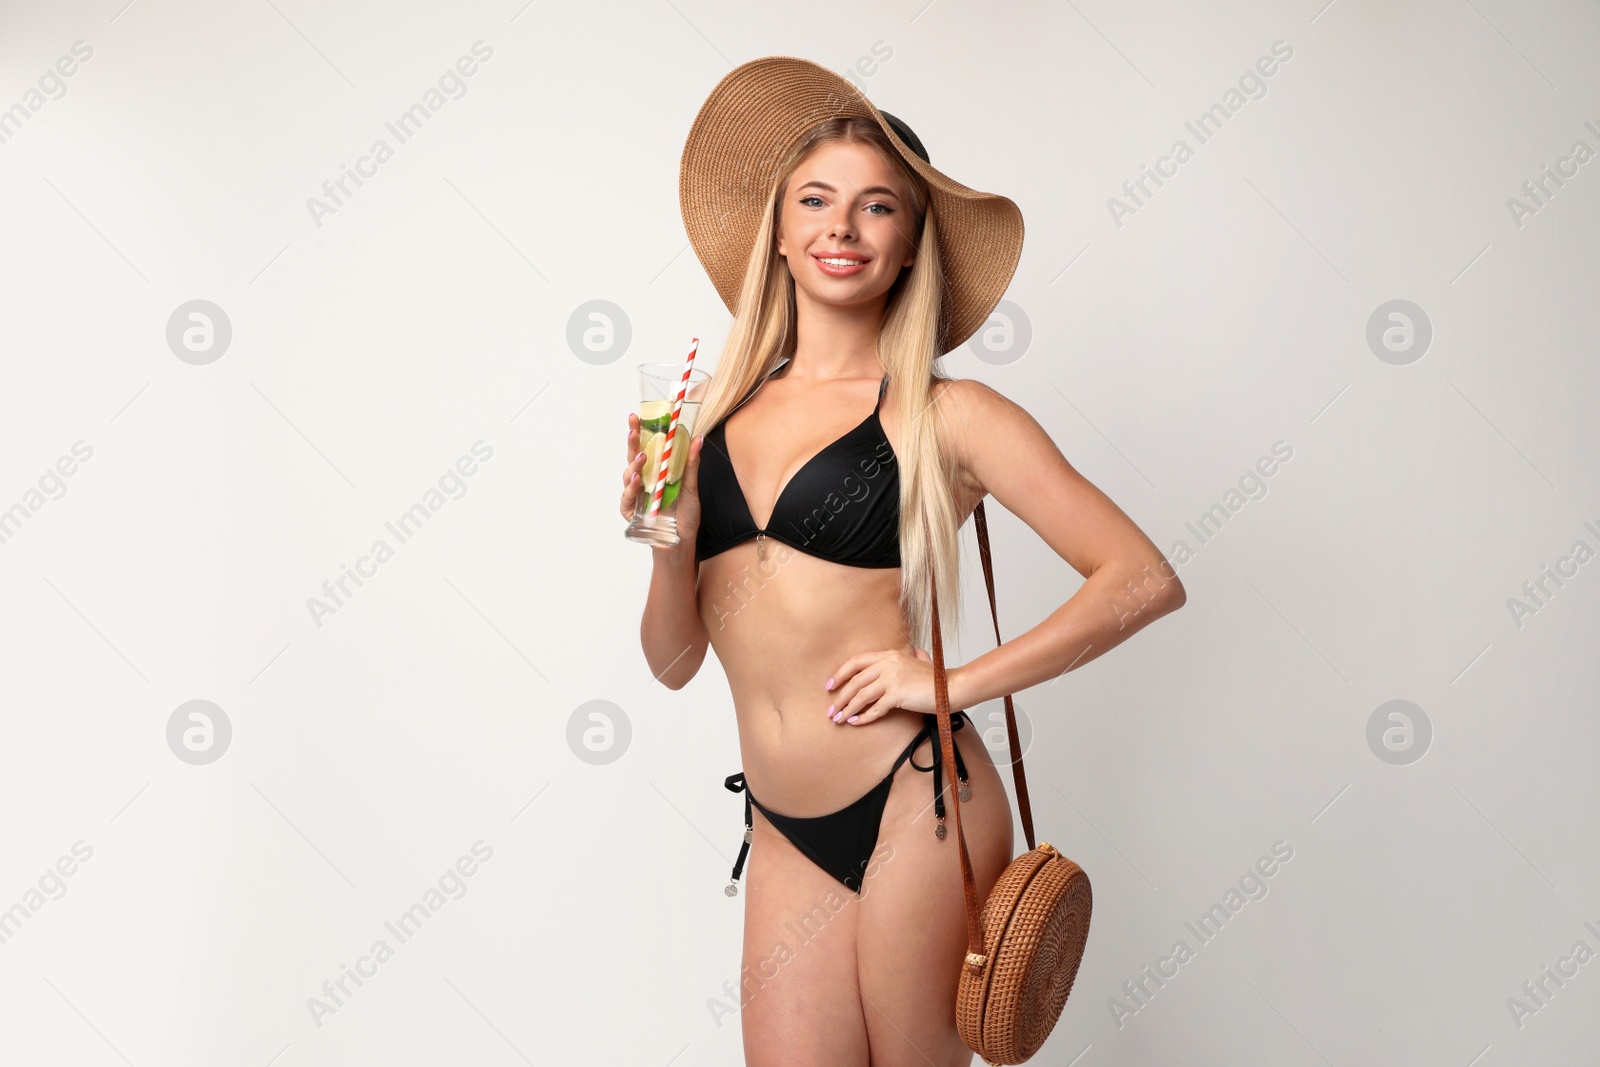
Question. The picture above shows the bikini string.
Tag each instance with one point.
(735, 784)
(965, 792)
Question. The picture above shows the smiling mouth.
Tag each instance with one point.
(840, 266)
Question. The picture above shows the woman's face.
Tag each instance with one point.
(845, 202)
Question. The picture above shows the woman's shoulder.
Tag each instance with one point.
(969, 409)
(967, 402)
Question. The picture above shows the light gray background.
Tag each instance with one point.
(435, 707)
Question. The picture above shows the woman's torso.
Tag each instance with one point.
(782, 625)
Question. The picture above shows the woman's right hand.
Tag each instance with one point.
(688, 502)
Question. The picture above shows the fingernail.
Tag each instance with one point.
(853, 718)
(829, 686)
(830, 711)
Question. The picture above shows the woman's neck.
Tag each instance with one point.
(834, 342)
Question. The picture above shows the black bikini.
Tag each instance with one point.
(841, 842)
(842, 505)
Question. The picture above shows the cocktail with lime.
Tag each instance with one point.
(659, 385)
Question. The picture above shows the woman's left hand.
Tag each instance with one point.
(868, 686)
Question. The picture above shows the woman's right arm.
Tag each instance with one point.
(673, 636)
(671, 632)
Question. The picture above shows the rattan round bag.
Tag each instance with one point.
(1023, 950)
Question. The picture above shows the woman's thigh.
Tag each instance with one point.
(912, 936)
(800, 1006)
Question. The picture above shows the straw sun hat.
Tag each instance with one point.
(751, 120)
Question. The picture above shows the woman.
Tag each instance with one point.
(817, 514)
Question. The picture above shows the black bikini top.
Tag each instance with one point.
(843, 505)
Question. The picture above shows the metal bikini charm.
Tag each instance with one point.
(964, 793)
(731, 889)
(938, 831)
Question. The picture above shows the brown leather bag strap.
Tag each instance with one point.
(1023, 806)
(941, 696)
(941, 699)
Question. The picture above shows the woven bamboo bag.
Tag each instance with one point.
(1024, 949)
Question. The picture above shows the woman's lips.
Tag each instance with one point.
(838, 272)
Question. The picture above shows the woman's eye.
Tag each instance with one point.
(886, 209)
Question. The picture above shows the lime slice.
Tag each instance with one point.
(651, 445)
(655, 415)
(680, 454)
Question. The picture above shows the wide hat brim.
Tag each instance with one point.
(747, 126)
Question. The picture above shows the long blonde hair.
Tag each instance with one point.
(911, 337)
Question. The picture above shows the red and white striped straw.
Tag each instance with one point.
(672, 432)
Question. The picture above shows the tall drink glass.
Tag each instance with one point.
(658, 388)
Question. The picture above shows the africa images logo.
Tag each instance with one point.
(452, 85)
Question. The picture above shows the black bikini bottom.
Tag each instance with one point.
(841, 842)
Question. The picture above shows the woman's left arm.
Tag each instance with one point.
(1003, 452)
